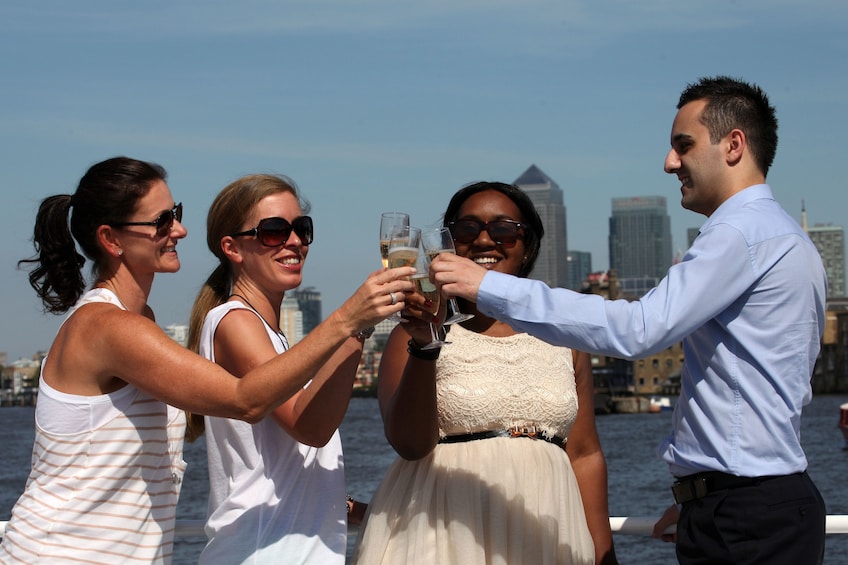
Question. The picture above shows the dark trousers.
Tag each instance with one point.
(777, 520)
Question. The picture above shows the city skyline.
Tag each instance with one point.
(381, 106)
(306, 302)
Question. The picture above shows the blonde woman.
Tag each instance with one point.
(277, 485)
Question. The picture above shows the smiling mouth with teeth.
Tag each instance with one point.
(486, 260)
(291, 261)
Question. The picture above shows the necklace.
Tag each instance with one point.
(278, 333)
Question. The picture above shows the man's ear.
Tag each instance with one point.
(737, 144)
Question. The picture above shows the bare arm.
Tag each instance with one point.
(102, 346)
(314, 414)
(407, 394)
(589, 464)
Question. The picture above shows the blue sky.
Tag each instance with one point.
(380, 105)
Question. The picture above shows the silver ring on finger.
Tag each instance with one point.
(394, 298)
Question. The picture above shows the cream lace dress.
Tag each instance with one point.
(495, 501)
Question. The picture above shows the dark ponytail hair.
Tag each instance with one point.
(108, 193)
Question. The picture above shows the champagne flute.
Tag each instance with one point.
(404, 242)
(423, 286)
(403, 247)
(435, 241)
(388, 222)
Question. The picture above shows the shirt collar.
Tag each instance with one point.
(737, 201)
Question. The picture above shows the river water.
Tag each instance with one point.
(638, 481)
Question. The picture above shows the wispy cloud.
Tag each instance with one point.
(214, 146)
(224, 17)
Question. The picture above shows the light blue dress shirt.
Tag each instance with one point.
(748, 301)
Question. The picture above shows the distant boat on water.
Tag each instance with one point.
(631, 404)
(660, 404)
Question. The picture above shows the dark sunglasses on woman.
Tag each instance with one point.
(274, 232)
(502, 232)
(163, 222)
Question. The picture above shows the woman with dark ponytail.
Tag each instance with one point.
(108, 190)
(107, 459)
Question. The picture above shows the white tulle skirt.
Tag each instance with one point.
(492, 501)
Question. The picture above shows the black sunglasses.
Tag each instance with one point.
(163, 222)
(502, 232)
(274, 232)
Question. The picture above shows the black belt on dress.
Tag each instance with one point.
(517, 431)
(699, 485)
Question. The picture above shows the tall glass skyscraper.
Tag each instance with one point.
(579, 267)
(640, 237)
(830, 241)
(552, 264)
(309, 302)
(291, 319)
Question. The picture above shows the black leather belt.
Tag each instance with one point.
(699, 485)
(530, 432)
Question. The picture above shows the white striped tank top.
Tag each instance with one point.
(103, 494)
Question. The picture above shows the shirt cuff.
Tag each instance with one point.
(492, 294)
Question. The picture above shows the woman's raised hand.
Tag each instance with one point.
(383, 293)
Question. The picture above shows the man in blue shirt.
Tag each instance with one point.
(748, 302)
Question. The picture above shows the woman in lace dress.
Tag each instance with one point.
(500, 460)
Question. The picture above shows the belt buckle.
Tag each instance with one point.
(686, 491)
(523, 431)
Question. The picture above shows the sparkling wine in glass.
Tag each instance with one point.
(440, 240)
(403, 246)
(423, 286)
(404, 243)
(388, 222)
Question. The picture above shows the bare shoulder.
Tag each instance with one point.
(81, 356)
(101, 322)
(108, 339)
(242, 341)
(239, 327)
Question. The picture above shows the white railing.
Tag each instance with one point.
(642, 526)
(835, 524)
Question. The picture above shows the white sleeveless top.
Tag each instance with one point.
(272, 499)
(105, 479)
